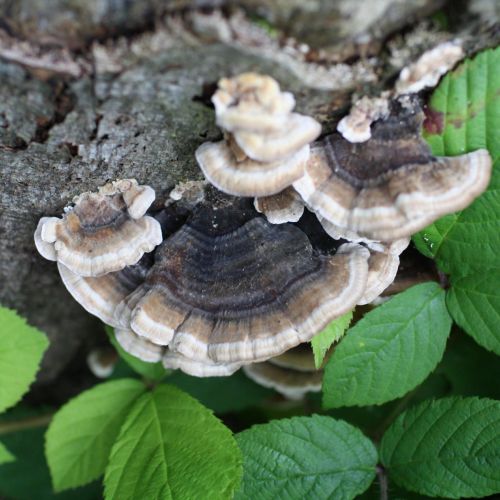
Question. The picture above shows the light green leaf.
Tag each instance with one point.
(306, 457)
(474, 303)
(332, 333)
(150, 371)
(468, 103)
(5, 455)
(81, 434)
(21, 350)
(390, 351)
(171, 446)
(449, 448)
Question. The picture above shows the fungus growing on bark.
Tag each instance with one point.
(390, 186)
(104, 231)
(176, 361)
(266, 145)
(279, 208)
(429, 68)
(292, 374)
(138, 346)
(356, 126)
(382, 268)
(45, 249)
(101, 295)
(229, 287)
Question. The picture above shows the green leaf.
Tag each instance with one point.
(468, 103)
(21, 350)
(5, 455)
(306, 457)
(449, 448)
(221, 394)
(150, 371)
(332, 333)
(80, 437)
(390, 351)
(474, 303)
(171, 446)
(28, 477)
(469, 369)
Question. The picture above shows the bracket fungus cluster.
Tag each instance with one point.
(292, 373)
(216, 279)
(266, 145)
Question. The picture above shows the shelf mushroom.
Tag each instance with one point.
(390, 186)
(103, 232)
(292, 374)
(229, 287)
(286, 206)
(101, 295)
(266, 145)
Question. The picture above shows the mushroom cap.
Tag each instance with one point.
(293, 384)
(286, 206)
(429, 68)
(355, 127)
(298, 131)
(174, 360)
(390, 186)
(138, 346)
(99, 235)
(382, 269)
(45, 249)
(251, 102)
(248, 177)
(232, 288)
(102, 294)
(300, 358)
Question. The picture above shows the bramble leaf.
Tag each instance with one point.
(21, 350)
(171, 446)
(80, 436)
(5, 455)
(467, 102)
(390, 351)
(448, 448)
(322, 341)
(305, 457)
(474, 303)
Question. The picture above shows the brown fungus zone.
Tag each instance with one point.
(390, 186)
(102, 232)
(292, 374)
(229, 287)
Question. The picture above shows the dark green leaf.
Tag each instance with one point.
(468, 102)
(221, 394)
(21, 350)
(5, 455)
(28, 477)
(322, 341)
(171, 446)
(470, 369)
(390, 351)
(449, 447)
(80, 437)
(474, 303)
(306, 457)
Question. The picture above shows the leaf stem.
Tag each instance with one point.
(382, 478)
(26, 423)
